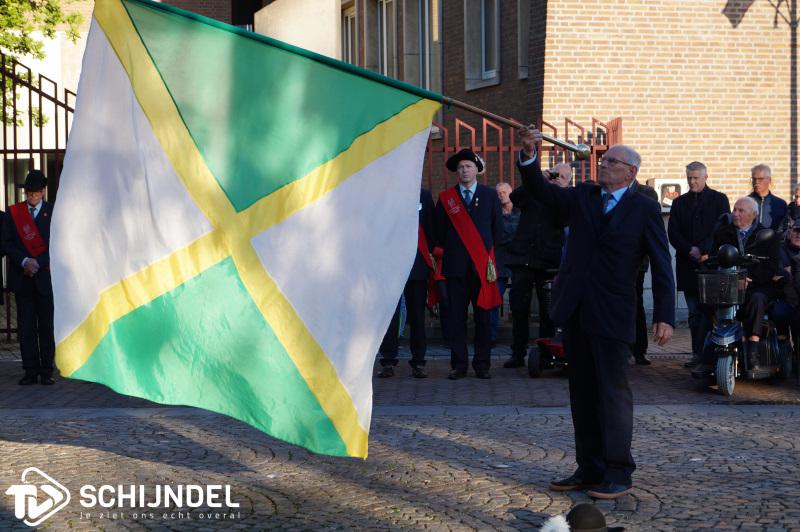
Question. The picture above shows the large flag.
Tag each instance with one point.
(235, 222)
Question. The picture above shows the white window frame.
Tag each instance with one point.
(487, 73)
(349, 35)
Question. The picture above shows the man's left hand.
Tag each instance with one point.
(662, 332)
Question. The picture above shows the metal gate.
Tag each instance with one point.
(36, 117)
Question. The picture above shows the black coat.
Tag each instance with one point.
(540, 234)
(762, 273)
(597, 279)
(691, 223)
(419, 272)
(14, 248)
(486, 214)
(648, 192)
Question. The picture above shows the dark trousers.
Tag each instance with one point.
(462, 291)
(753, 311)
(602, 405)
(415, 293)
(640, 348)
(444, 309)
(699, 322)
(35, 326)
(523, 282)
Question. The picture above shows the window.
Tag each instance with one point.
(349, 35)
(523, 39)
(379, 32)
(482, 43)
(422, 45)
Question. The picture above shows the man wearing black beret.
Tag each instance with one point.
(468, 221)
(26, 238)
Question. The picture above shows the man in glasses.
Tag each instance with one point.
(611, 229)
(771, 208)
(692, 220)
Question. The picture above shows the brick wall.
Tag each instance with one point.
(216, 9)
(688, 84)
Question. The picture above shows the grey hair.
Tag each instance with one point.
(501, 183)
(695, 166)
(750, 201)
(763, 168)
(632, 156)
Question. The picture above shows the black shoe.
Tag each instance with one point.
(572, 483)
(386, 371)
(642, 360)
(514, 362)
(48, 381)
(483, 374)
(418, 373)
(455, 375)
(27, 380)
(695, 360)
(702, 370)
(609, 490)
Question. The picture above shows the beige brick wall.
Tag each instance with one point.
(688, 85)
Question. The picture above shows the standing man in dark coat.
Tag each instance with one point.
(594, 297)
(26, 238)
(535, 249)
(771, 208)
(467, 223)
(692, 220)
(415, 292)
(640, 346)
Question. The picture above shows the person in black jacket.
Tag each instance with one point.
(415, 292)
(692, 220)
(535, 249)
(740, 229)
(610, 230)
(26, 238)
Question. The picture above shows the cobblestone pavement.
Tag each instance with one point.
(465, 455)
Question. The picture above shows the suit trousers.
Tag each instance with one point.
(602, 404)
(36, 337)
(415, 293)
(462, 291)
(752, 312)
(524, 280)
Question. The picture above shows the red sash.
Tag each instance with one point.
(422, 247)
(489, 296)
(27, 230)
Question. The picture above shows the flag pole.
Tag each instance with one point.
(582, 151)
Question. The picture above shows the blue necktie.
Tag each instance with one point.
(33, 211)
(606, 198)
(467, 194)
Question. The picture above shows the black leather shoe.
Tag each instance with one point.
(702, 370)
(483, 374)
(692, 362)
(609, 490)
(642, 361)
(418, 373)
(751, 348)
(27, 380)
(455, 375)
(386, 371)
(514, 362)
(48, 381)
(571, 483)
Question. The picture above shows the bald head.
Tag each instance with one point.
(745, 212)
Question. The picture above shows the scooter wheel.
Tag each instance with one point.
(726, 375)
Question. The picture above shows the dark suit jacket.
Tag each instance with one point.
(486, 213)
(540, 234)
(648, 192)
(692, 220)
(761, 273)
(419, 272)
(597, 278)
(14, 248)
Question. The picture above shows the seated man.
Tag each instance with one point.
(740, 230)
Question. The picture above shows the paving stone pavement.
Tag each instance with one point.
(444, 455)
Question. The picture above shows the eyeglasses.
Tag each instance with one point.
(612, 160)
